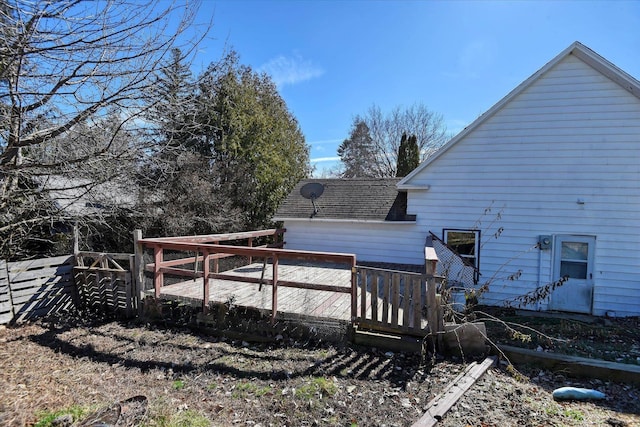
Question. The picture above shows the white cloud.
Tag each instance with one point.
(325, 141)
(291, 70)
(325, 159)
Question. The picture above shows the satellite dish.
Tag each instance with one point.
(312, 191)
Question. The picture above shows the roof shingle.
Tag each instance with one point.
(353, 199)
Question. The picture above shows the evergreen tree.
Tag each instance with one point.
(357, 152)
(408, 155)
(259, 151)
(386, 129)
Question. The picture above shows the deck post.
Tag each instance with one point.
(354, 291)
(250, 245)
(138, 271)
(215, 261)
(274, 288)
(433, 309)
(205, 281)
(158, 275)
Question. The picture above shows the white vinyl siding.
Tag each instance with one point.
(376, 242)
(571, 135)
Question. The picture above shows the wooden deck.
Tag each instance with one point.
(296, 302)
(301, 302)
(312, 286)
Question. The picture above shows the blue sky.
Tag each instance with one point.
(333, 60)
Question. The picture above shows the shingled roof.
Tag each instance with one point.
(350, 199)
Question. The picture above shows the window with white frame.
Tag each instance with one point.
(465, 243)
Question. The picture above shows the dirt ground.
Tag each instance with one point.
(46, 367)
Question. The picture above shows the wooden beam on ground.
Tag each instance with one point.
(439, 406)
(574, 365)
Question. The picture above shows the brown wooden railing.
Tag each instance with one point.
(391, 301)
(208, 249)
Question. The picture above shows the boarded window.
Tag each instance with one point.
(465, 243)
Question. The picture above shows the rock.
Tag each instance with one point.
(468, 338)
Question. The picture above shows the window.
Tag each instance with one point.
(574, 259)
(466, 243)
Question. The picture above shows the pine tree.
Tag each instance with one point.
(408, 155)
(357, 152)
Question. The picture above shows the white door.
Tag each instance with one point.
(573, 257)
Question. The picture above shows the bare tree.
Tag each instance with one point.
(386, 131)
(75, 80)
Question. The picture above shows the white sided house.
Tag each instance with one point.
(545, 184)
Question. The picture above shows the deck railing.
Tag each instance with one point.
(391, 300)
(381, 299)
(398, 301)
(208, 249)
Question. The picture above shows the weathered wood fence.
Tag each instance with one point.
(383, 300)
(104, 281)
(35, 288)
(41, 287)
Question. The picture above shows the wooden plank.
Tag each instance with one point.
(574, 365)
(114, 255)
(395, 299)
(438, 407)
(158, 276)
(23, 297)
(38, 308)
(314, 286)
(5, 306)
(417, 303)
(255, 252)
(41, 281)
(130, 286)
(138, 270)
(386, 270)
(363, 277)
(386, 327)
(374, 297)
(3, 271)
(24, 275)
(386, 276)
(109, 270)
(38, 263)
(217, 237)
(406, 300)
(5, 318)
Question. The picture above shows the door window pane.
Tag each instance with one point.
(573, 269)
(575, 250)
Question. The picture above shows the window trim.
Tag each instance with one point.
(478, 235)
